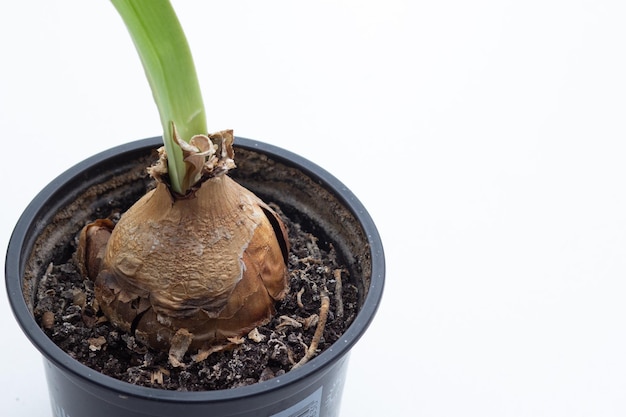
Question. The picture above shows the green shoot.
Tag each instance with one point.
(167, 61)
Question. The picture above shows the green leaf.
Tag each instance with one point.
(168, 63)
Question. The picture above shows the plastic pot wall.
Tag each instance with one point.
(301, 188)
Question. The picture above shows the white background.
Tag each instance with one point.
(486, 139)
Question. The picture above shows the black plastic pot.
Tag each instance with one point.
(299, 186)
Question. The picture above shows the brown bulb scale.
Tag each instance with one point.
(210, 265)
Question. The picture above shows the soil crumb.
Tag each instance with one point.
(67, 311)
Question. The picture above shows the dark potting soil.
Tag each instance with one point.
(66, 311)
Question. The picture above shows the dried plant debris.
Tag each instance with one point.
(68, 312)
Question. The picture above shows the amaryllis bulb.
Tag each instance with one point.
(210, 264)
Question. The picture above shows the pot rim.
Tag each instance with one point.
(13, 278)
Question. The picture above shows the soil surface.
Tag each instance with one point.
(66, 311)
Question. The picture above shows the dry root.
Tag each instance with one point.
(338, 293)
(319, 330)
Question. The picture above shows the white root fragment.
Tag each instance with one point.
(205, 353)
(156, 377)
(96, 343)
(236, 340)
(208, 351)
(338, 293)
(255, 336)
(286, 321)
(41, 291)
(180, 343)
(299, 298)
(319, 331)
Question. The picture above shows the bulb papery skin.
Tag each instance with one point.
(212, 264)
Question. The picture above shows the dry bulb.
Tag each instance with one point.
(189, 271)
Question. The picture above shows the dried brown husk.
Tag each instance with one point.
(212, 263)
